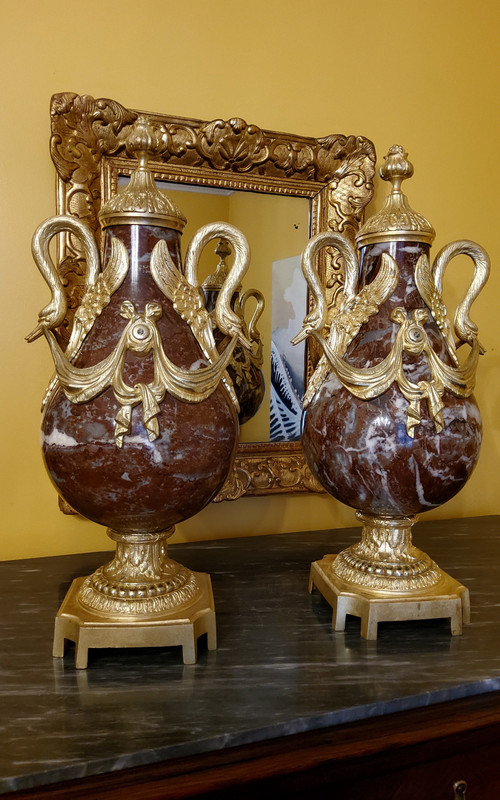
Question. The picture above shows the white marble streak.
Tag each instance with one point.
(58, 438)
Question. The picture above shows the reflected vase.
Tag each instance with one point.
(245, 369)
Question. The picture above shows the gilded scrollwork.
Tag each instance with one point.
(82, 131)
(85, 130)
(232, 145)
(88, 143)
(257, 472)
(349, 191)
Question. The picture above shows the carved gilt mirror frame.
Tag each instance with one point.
(335, 173)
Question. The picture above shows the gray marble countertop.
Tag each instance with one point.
(279, 668)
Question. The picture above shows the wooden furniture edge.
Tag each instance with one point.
(332, 753)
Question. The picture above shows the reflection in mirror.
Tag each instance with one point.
(277, 229)
(288, 362)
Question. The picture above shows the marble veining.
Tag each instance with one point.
(181, 470)
(360, 450)
(279, 668)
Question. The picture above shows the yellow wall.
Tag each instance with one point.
(422, 74)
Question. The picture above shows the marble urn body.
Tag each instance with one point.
(123, 475)
(390, 424)
(140, 422)
(381, 455)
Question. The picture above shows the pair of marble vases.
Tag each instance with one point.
(390, 426)
(140, 422)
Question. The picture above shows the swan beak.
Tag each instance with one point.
(480, 347)
(300, 337)
(244, 341)
(35, 333)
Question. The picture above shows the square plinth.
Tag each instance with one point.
(447, 598)
(180, 627)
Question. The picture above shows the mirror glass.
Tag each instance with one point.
(277, 229)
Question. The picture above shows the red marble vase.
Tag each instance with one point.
(143, 485)
(140, 423)
(390, 424)
(360, 449)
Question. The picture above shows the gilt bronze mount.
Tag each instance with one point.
(390, 424)
(141, 598)
(139, 426)
(385, 578)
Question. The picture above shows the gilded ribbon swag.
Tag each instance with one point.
(140, 335)
(411, 337)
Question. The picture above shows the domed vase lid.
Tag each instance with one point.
(140, 202)
(215, 280)
(396, 221)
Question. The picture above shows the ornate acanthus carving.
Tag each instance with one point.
(231, 145)
(82, 131)
(259, 472)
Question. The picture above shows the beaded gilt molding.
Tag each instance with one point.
(335, 172)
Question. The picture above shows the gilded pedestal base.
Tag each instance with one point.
(182, 626)
(445, 598)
